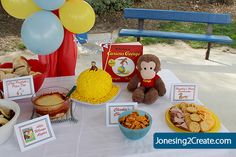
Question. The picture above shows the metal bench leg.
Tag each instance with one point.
(140, 27)
(138, 39)
(208, 51)
(209, 32)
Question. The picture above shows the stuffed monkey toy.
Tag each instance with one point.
(146, 85)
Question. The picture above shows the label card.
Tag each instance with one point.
(34, 133)
(113, 110)
(18, 88)
(184, 92)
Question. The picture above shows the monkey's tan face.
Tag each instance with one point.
(148, 70)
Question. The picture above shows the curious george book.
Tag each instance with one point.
(120, 59)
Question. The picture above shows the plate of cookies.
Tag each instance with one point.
(190, 117)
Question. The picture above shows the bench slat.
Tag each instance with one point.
(176, 35)
(171, 15)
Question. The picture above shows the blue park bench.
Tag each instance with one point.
(181, 16)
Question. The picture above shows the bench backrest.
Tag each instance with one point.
(183, 16)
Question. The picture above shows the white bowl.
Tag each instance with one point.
(7, 129)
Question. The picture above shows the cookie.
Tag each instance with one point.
(22, 71)
(202, 116)
(7, 70)
(204, 126)
(2, 74)
(19, 62)
(192, 105)
(187, 119)
(192, 109)
(7, 76)
(195, 117)
(183, 105)
(194, 127)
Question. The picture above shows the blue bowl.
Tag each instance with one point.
(135, 134)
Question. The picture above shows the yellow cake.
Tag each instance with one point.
(95, 87)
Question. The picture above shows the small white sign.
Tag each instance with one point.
(18, 88)
(184, 92)
(113, 110)
(34, 133)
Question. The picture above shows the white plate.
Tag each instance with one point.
(104, 103)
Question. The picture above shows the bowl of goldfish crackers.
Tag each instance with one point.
(135, 124)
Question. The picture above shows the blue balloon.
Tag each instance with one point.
(49, 4)
(42, 32)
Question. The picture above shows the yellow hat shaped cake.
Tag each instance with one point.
(94, 86)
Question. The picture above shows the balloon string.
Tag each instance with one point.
(108, 53)
(109, 49)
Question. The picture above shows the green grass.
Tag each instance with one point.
(144, 41)
(21, 46)
(198, 28)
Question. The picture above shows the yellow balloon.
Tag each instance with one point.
(20, 9)
(77, 16)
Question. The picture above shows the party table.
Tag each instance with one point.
(91, 137)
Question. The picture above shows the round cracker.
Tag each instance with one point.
(191, 109)
(204, 126)
(195, 117)
(183, 105)
(194, 127)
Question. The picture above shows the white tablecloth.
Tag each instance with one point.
(91, 138)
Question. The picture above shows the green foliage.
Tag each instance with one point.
(125, 39)
(196, 28)
(144, 41)
(21, 46)
(102, 6)
(199, 28)
(149, 41)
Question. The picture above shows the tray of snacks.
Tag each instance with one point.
(20, 67)
(189, 117)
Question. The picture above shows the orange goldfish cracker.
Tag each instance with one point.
(134, 121)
